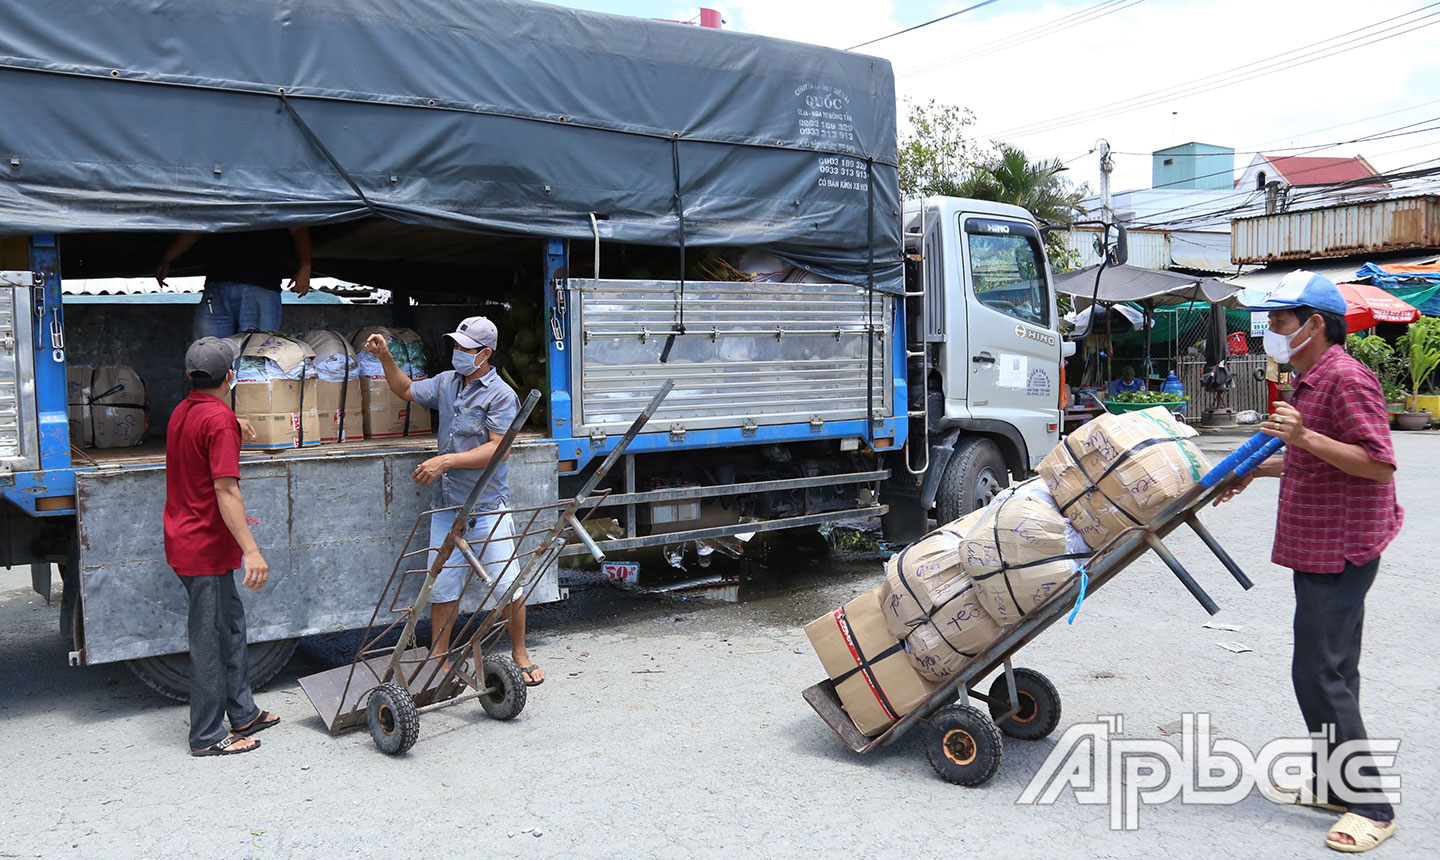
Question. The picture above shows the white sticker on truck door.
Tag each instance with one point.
(1013, 371)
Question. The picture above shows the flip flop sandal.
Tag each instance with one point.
(223, 747)
(262, 721)
(1301, 796)
(530, 670)
(1366, 833)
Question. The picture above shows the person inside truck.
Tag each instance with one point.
(476, 408)
(243, 277)
(1126, 382)
(207, 538)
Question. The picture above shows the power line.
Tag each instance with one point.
(1275, 149)
(1074, 19)
(926, 24)
(1259, 68)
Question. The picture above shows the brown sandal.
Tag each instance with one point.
(223, 747)
(262, 721)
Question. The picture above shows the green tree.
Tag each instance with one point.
(936, 151)
(937, 157)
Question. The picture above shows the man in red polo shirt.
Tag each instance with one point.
(1337, 514)
(206, 539)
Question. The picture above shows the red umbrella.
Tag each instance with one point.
(1366, 305)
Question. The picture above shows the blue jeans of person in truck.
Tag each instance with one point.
(228, 307)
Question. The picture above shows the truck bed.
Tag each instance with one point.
(330, 520)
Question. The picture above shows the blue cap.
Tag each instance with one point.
(1300, 289)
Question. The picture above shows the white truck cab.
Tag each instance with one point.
(985, 357)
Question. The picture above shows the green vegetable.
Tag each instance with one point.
(1146, 397)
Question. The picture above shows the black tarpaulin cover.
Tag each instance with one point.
(497, 116)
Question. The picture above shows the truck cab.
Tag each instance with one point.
(985, 354)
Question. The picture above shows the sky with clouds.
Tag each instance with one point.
(1281, 76)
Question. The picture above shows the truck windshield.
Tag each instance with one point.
(1009, 277)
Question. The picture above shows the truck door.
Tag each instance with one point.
(1014, 340)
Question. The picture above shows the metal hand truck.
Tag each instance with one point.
(391, 679)
(963, 743)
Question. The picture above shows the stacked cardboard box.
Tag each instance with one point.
(873, 678)
(339, 387)
(1119, 471)
(279, 394)
(107, 406)
(385, 413)
(1020, 552)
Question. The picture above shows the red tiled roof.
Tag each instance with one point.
(1309, 170)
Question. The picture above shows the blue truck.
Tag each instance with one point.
(672, 202)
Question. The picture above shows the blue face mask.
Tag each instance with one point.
(464, 363)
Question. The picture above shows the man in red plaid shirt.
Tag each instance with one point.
(1337, 514)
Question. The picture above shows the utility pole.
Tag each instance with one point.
(1107, 213)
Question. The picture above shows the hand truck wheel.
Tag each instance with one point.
(394, 722)
(963, 744)
(1039, 711)
(506, 684)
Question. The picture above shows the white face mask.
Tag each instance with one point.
(1281, 347)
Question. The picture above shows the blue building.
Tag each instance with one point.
(1200, 166)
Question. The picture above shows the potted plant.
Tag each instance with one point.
(1389, 367)
(1421, 347)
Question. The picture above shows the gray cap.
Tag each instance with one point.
(207, 360)
(476, 332)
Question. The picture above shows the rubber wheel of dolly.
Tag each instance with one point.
(506, 683)
(169, 674)
(394, 723)
(1039, 712)
(964, 745)
(975, 474)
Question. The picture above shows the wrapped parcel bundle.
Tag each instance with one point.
(275, 391)
(342, 407)
(385, 413)
(930, 603)
(1020, 552)
(1119, 471)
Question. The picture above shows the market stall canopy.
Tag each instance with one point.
(491, 116)
(1416, 283)
(1365, 305)
(1121, 319)
(1151, 287)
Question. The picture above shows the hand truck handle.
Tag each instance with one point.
(1243, 460)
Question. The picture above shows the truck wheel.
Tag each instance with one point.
(394, 722)
(169, 674)
(1039, 712)
(964, 745)
(973, 477)
(506, 683)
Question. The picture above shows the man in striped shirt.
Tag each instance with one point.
(1337, 513)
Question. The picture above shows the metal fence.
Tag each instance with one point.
(1188, 355)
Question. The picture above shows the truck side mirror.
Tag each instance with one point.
(1120, 251)
(1067, 348)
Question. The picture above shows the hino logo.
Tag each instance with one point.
(1037, 336)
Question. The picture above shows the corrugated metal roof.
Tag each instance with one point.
(1300, 170)
(1339, 271)
(194, 286)
(1366, 227)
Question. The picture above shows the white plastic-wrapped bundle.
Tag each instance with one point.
(1020, 552)
(386, 414)
(276, 391)
(340, 399)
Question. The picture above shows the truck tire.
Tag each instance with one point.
(169, 674)
(972, 479)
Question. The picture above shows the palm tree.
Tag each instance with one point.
(1009, 176)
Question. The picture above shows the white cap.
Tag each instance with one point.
(475, 333)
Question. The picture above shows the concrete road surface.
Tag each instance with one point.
(676, 729)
